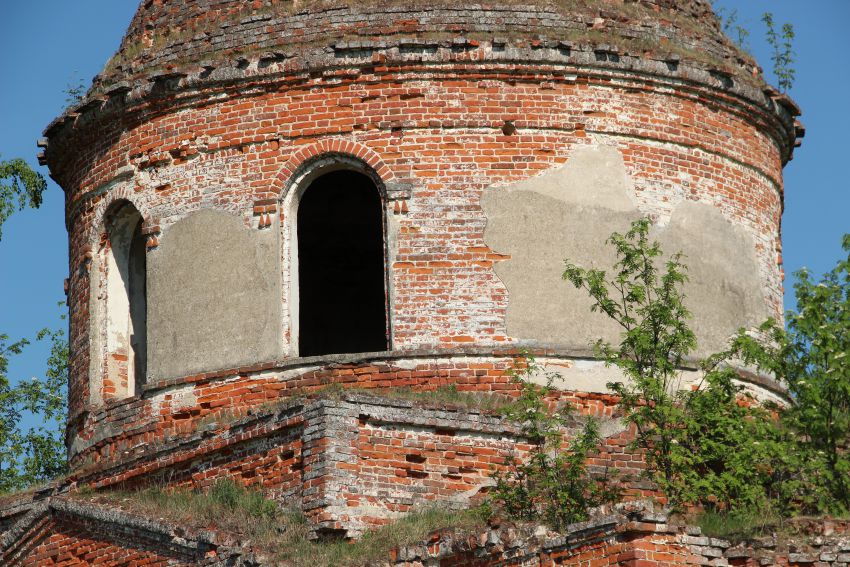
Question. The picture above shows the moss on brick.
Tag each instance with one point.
(643, 27)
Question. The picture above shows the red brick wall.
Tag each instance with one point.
(78, 532)
(433, 127)
(447, 157)
(68, 542)
(350, 461)
(122, 429)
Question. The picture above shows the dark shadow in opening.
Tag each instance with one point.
(138, 293)
(341, 266)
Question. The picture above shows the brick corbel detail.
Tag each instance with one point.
(264, 211)
(152, 232)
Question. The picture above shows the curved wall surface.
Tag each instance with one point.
(502, 140)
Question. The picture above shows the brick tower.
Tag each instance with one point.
(268, 197)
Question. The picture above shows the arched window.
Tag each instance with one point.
(123, 273)
(341, 279)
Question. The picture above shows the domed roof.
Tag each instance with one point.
(184, 47)
(167, 34)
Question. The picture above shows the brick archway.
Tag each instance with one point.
(328, 147)
(106, 204)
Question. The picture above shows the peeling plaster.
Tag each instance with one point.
(213, 296)
(569, 212)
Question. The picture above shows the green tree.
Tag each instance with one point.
(712, 445)
(656, 340)
(817, 363)
(32, 455)
(812, 358)
(19, 186)
(732, 454)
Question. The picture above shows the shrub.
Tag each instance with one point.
(812, 358)
(553, 484)
(714, 445)
(649, 307)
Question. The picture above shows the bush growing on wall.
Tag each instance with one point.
(812, 358)
(648, 305)
(712, 445)
(553, 484)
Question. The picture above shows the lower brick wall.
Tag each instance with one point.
(63, 539)
(78, 531)
(58, 542)
(630, 538)
(388, 456)
(73, 531)
(123, 430)
(351, 461)
(272, 463)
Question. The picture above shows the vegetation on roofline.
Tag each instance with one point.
(447, 396)
(781, 43)
(279, 533)
(782, 47)
(134, 48)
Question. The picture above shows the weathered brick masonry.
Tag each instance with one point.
(71, 531)
(500, 138)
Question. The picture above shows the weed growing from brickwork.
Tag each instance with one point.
(782, 44)
(740, 526)
(701, 446)
(648, 304)
(552, 484)
(280, 533)
(733, 29)
(75, 91)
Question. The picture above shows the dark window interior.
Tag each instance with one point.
(137, 284)
(341, 266)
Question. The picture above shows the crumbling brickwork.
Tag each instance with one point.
(351, 461)
(436, 142)
(62, 531)
(634, 539)
(500, 138)
(76, 531)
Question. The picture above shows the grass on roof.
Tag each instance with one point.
(280, 533)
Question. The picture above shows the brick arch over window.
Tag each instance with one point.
(118, 304)
(116, 196)
(301, 159)
(335, 256)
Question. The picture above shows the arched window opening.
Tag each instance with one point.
(125, 273)
(341, 279)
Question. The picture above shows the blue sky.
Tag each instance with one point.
(46, 45)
